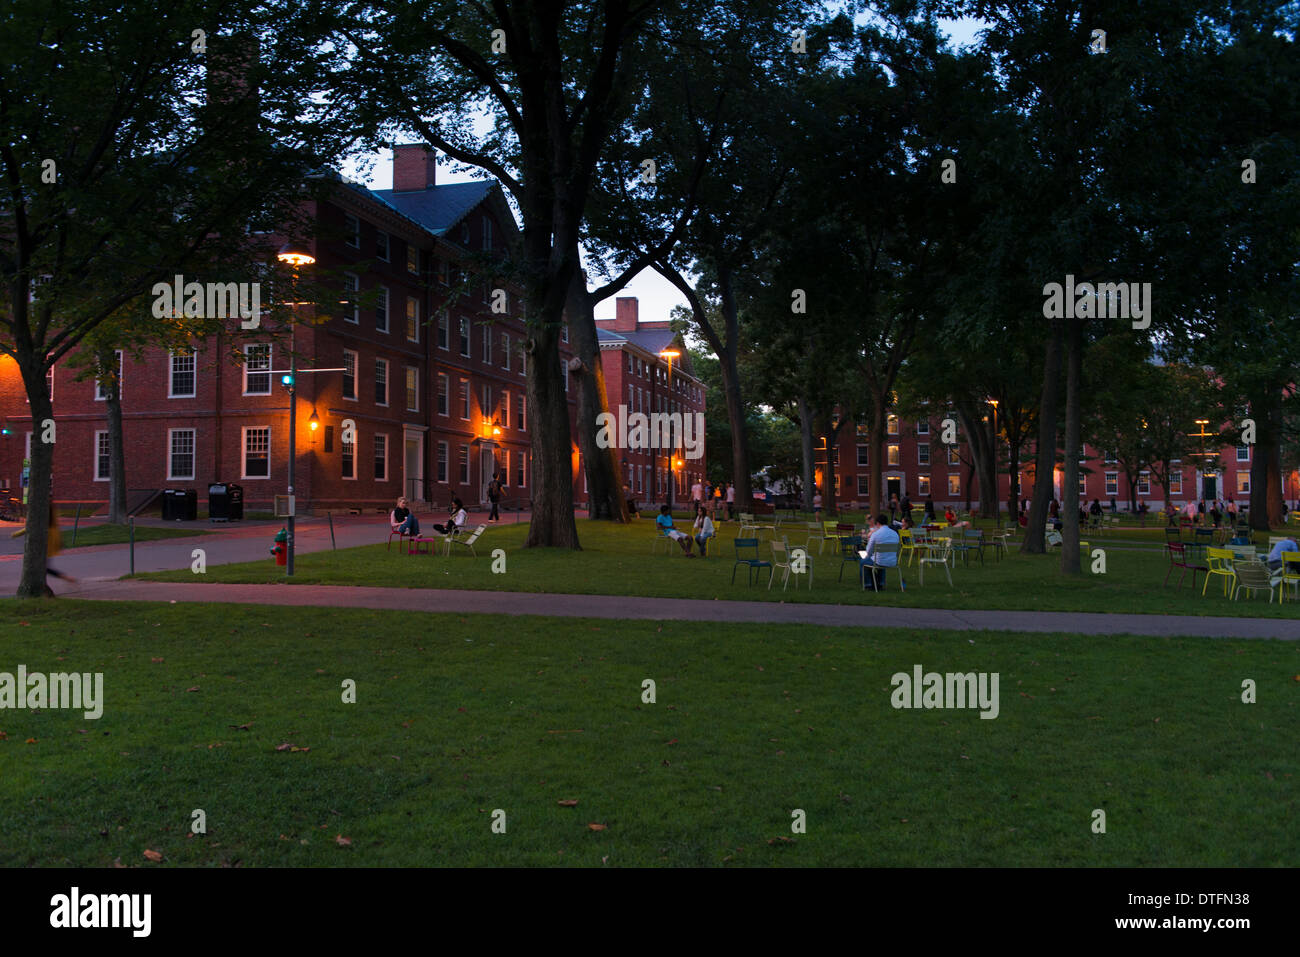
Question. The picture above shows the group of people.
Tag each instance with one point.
(702, 530)
(712, 498)
(403, 521)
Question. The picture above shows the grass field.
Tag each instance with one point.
(458, 716)
(617, 561)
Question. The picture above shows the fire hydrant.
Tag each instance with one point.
(280, 550)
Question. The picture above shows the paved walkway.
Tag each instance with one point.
(685, 609)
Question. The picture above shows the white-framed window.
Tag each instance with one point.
(631, 363)
(487, 234)
(182, 383)
(381, 244)
(523, 360)
(464, 399)
(103, 457)
(1144, 483)
(954, 484)
(256, 452)
(1112, 483)
(381, 382)
(891, 425)
(892, 455)
(444, 390)
(1083, 483)
(349, 459)
(1243, 453)
(923, 485)
(412, 259)
(505, 351)
(522, 408)
(381, 308)
(505, 469)
(923, 453)
(444, 321)
(505, 408)
(464, 465)
(352, 230)
(412, 319)
(953, 458)
(864, 484)
(864, 456)
(381, 457)
(351, 310)
(521, 470)
(101, 395)
(464, 336)
(412, 389)
(349, 374)
(923, 427)
(1243, 483)
(1108, 457)
(1176, 483)
(485, 398)
(180, 454)
(257, 369)
(487, 344)
(442, 463)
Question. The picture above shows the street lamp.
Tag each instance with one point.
(994, 403)
(294, 255)
(670, 355)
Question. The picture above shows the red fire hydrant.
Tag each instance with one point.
(280, 550)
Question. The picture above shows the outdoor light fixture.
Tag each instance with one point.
(295, 254)
(314, 422)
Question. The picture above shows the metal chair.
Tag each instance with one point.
(467, 542)
(940, 554)
(793, 561)
(869, 571)
(1252, 576)
(747, 555)
(1219, 561)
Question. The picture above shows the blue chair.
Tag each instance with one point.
(849, 554)
(747, 555)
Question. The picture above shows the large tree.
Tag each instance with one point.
(137, 145)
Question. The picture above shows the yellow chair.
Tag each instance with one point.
(1220, 562)
(905, 545)
(1290, 573)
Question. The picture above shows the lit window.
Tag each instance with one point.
(412, 319)
(1144, 483)
(891, 425)
(1112, 483)
(893, 457)
(953, 458)
(1175, 483)
(954, 484)
(1243, 483)
(923, 485)
(412, 260)
(412, 389)
(257, 369)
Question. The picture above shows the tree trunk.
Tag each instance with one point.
(879, 424)
(1070, 480)
(107, 361)
(605, 497)
(1266, 462)
(1034, 543)
(985, 466)
(806, 442)
(1013, 478)
(31, 584)
(552, 523)
(731, 384)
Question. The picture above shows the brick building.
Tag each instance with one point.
(641, 378)
(434, 382)
(919, 466)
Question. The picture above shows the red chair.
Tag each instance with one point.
(394, 533)
(1178, 559)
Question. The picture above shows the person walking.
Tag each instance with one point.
(494, 496)
(731, 501)
(697, 494)
(53, 545)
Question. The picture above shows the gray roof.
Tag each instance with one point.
(437, 208)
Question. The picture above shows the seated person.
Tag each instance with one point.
(403, 520)
(631, 502)
(1275, 553)
(1023, 520)
(665, 523)
(881, 534)
(703, 529)
(949, 515)
(457, 520)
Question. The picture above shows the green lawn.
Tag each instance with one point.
(459, 716)
(119, 534)
(616, 560)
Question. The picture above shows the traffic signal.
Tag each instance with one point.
(287, 380)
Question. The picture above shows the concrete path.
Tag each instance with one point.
(683, 609)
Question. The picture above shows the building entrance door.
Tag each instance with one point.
(413, 467)
(1210, 488)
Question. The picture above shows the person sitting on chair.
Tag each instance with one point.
(665, 523)
(703, 529)
(403, 520)
(457, 520)
(881, 534)
(1275, 554)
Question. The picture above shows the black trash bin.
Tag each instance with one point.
(225, 502)
(180, 505)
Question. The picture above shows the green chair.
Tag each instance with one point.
(747, 555)
(869, 571)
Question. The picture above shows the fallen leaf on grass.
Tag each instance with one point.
(342, 841)
(673, 741)
(31, 741)
(154, 856)
(596, 827)
(3, 736)
(572, 802)
(195, 688)
(781, 840)
(299, 749)
(156, 661)
(283, 747)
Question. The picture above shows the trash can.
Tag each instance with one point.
(180, 505)
(225, 502)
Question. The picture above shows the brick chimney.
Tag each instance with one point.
(415, 167)
(625, 314)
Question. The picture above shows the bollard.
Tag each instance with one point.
(131, 529)
(330, 516)
(75, 522)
